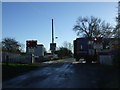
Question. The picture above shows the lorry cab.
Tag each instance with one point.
(83, 48)
(80, 48)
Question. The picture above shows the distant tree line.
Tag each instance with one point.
(63, 52)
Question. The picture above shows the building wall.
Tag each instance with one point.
(39, 51)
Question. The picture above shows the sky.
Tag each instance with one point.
(33, 20)
(60, 0)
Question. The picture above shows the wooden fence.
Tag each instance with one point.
(16, 58)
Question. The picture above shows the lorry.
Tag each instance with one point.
(84, 49)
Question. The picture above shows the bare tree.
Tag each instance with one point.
(92, 27)
(117, 28)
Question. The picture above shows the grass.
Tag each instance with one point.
(114, 82)
(12, 69)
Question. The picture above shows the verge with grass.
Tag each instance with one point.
(12, 69)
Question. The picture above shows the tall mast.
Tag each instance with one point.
(52, 32)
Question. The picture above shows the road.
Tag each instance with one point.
(64, 73)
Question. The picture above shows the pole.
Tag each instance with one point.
(52, 37)
(52, 32)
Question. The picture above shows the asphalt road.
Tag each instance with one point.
(64, 73)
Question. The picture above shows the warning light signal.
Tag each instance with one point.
(31, 44)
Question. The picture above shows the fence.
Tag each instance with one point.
(106, 59)
(16, 58)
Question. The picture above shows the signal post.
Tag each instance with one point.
(30, 48)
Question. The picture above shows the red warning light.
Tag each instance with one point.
(28, 43)
(31, 44)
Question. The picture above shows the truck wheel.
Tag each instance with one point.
(88, 60)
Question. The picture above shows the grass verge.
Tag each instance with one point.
(114, 83)
(113, 80)
(13, 70)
